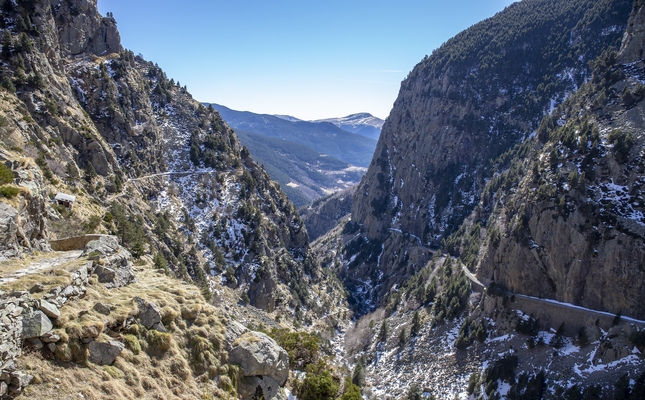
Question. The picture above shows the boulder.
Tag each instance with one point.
(113, 276)
(260, 387)
(20, 379)
(37, 288)
(50, 337)
(102, 309)
(48, 308)
(35, 325)
(104, 353)
(101, 247)
(233, 331)
(259, 355)
(149, 315)
(3, 388)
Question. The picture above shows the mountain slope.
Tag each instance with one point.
(166, 176)
(303, 173)
(473, 99)
(324, 138)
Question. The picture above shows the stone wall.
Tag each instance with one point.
(25, 320)
(73, 243)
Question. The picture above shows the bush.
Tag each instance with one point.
(318, 384)
(132, 344)
(6, 176)
(159, 340)
(9, 191)
(352, 392)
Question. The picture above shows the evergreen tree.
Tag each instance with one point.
(90, 172)
(416, 323)
(6, 176)
(382, 335)
(358, 376)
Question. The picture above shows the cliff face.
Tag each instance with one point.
(325, 213)
(473, 99)
(574, 228)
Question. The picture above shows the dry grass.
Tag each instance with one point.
(180, 364)
(56, 268)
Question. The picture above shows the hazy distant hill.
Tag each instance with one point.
(364, 124)
(323, 137)
(303, 173)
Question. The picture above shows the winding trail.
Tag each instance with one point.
(57, 258)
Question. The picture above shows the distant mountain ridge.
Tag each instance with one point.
(323, 137)
(364, 124)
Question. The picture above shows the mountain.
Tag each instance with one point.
(459, 112)
(495, 245)
(288, 118)
(364, 124)
(494, 248)
(171, 240)
(324, 138)
(304, 174)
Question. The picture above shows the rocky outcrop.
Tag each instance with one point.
(104, 353)
(23, 225)
(634, 38)
(264, 363)
(323, 214)
(112, 262)
(259, 355)
(83, 30)
(149, 315)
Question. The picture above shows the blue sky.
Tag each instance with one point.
(307, 59)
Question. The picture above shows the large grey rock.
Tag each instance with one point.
(233, 331)
(48, 308)
(20, 379)
(259, 355)
(149, 314)
(35, 325)
(104, 353)
(115, 270)
(103, 246)
(262, 387)
(3, 388)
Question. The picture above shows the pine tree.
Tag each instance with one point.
(382, 336)
(90, 172)
(416, 323)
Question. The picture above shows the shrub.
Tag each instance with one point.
(352, 392)
(159, 340)
(318, 384)
(132, 344)
(9, 191)
(6, 176)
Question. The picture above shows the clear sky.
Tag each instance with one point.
(308, 59)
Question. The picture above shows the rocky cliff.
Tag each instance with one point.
(460, 109)
(575, 221)
(105, 124)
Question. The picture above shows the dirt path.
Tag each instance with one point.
(56, 259)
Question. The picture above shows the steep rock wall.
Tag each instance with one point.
(473, 99)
